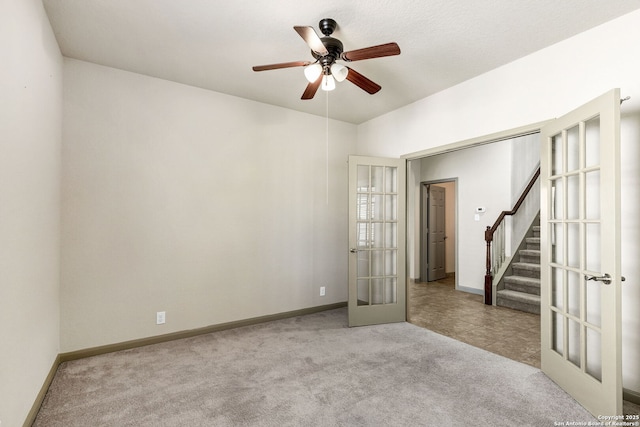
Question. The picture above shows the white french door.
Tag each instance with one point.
(580, 256)
(377, 232)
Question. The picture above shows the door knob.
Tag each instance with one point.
(606, 279)
(353, 250)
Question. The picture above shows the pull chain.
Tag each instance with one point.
(327, 147)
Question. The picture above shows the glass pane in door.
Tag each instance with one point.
(391, 208)
(390, 267)
(377, 178)
(362, 208)
(573, 197)
(573, 293)
(574, 342)
(573, 148)
(557, 197)
(391, 235)
(377, 291)
(363, 291)
(557, 288)
(593, 254)
(377, 235)
(556, 155)
(593, 302)
(592, 142)
(391, 291)
(377, 263)
(363, 178)
(362, 235)
(557, 247)
(376, 207)
(557, 332)
(593, 356)
(391, 180)
(592, 184)
(363, 264)
(573, 245)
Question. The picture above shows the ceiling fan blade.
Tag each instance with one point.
(309, 35)
(312, 88)
(362, 82)
(388, 49)
(281, 65)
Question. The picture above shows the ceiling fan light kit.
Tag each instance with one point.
(312, 72)
(328, 82)
(339, 72)
(325, 71)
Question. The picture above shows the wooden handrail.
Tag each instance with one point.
(488, 237)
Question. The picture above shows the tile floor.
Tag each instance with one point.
(438, 307)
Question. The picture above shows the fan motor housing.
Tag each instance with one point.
(335, 48)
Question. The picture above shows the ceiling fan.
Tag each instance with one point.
(327, 50)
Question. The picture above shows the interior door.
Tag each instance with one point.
(436, 233)
(580, 257)
(377, 230)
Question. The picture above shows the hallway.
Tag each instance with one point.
(437, 306)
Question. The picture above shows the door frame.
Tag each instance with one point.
(530, 129)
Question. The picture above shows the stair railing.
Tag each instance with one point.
(495, 239)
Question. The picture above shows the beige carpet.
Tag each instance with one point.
(306, 371)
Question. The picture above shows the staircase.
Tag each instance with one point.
(522, 288)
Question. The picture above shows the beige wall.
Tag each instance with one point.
(206, 206)
(477, 186)
(30, 138)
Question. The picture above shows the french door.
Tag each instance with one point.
(377, 232)
(580, 257)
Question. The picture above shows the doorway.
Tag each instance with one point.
(475, 194)
(437, 230)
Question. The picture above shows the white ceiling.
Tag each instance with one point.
(213, 44)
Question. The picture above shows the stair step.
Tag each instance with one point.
(518, 301)
(531, 256)
(528, 285)
(526, 269)
(530, 252)
(533, 243)
(536, 231)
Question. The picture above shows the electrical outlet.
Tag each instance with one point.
(322, 291)
(160, 317)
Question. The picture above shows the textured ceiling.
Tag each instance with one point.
(213, 44)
